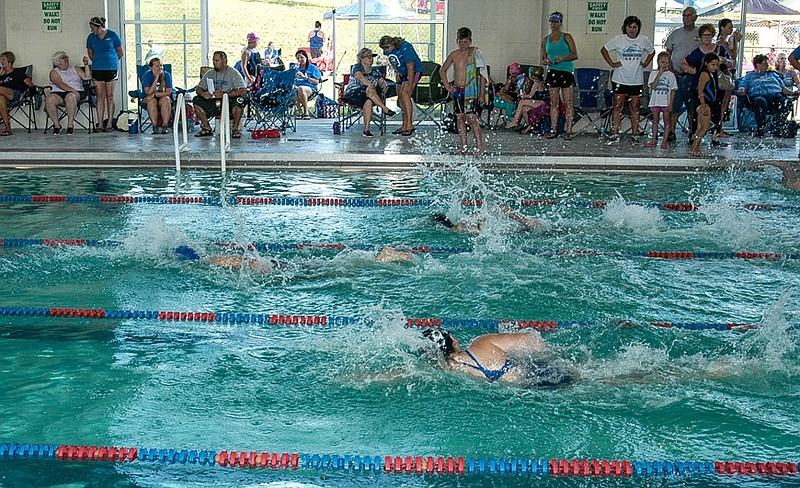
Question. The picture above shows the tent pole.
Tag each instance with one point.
(333, 35)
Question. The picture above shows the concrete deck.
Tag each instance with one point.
(314, 146)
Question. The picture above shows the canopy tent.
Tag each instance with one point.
(756, 10)
(373, 10)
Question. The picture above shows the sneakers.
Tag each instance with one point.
(635, 139)
(70, 131)
(390, 113)
(715, 143)
(56, 131)
(367, 133)
(613, 138)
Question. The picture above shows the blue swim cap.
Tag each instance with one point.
(186, 253)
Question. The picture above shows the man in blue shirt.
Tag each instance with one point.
(765, 93)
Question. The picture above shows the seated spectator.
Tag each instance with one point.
(534, 96)
(214, 84)
(764, 93)
(307, 82)
(789, 75)
(366, 88)
(158, 95)
(508, 95)
(12, 85)
(271, 55)
(66, 88)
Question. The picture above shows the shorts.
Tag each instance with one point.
(104, 75)
(559, 79)
(356, 98)
(404, 78)
(656, 110)
(509, 107)
(63, 95)
(462, 106)
(15, 95)
(629, 90)
(684, 95)
(315, 52)
(213, 107)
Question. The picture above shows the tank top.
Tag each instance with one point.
(316, 40)
(70, 77)
(560, 48)
(710, 91)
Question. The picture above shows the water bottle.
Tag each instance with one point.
(336, 129)
(133, 124)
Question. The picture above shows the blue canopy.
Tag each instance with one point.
(373, 10)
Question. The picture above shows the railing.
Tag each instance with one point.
(224, 132)
(180, 121)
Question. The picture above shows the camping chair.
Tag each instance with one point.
(86, 109)
(350, 115)
(645, 115)
(273, 107)
(139, 94)
(590, 96)
(23, 111)
(429, 94)
(245, 109)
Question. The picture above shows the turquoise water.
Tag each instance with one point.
(645, 393)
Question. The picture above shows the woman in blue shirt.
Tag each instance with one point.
(307, 81)
(105, 50)
(157, 85)
(408, 67)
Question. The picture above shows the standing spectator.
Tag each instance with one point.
(66, 88)
(105, 50)
(408, 68)
(730, 39)
(251, 59)
(307, 81)
(12, 85)
(558, 53)
(469, 87)
(214, 84)
(363, 88)
(158, 95)
(693, 63)
(708, 100)
(681, 42)
(633, 52)
(662, 90)
(765, 93)
(316, 40)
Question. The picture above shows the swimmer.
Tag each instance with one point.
(479, 225)
(505, 356)
(789, 169)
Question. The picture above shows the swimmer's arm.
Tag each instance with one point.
(529, 223)
(231, 262)
(514, 343)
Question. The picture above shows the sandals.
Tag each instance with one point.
(568, 136)
(406, 133)
(5, 132)
(551, 135)
(236, 133)
(204, 133)
(398, 131)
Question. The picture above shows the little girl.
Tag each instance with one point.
(662, 90)
(707, 96)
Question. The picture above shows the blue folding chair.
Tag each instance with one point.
(591, 85)
(139, 94)
(273, 106)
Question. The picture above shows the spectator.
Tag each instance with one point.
(469, 87)
(693, 63)
(307, 82)
(214, 84)
(789, 75)
(530, 99)
(105, 50)
(632, 52)
(509, 93)
(66, 88)
(730, 39)
(316, 40)
(366, 88)
(251, 59)
(662, 90)
(558, 53)
(708, 100)
(408, 68)
(158, 95)
(12, 86)
(271, 55)
(765, 93)
(679, 44)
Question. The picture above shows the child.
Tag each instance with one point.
(707, 97)
(662, 90)
(532, 97)
(469, 87)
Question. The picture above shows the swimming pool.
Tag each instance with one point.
(648, 393)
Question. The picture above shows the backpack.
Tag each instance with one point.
(326, 108)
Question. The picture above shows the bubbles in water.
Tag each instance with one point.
(633, 216)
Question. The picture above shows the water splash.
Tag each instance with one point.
(637, 217)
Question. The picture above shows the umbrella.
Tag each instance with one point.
(761, 8)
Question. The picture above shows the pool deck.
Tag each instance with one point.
(315, 146)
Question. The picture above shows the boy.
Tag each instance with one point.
(468, 88)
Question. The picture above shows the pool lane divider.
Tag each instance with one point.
(394, 464)
(318, 201)
(322, 320)
(420, 249)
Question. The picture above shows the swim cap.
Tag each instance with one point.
(514, 69)
(442, 338)
(186, 253)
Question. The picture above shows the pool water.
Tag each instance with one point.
(645, 393)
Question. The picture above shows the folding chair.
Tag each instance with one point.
(590, 96)
(86, 109)
(23, 111)
(139, 94)
(350, 115)
(273, 106)
(429, 94)
(645, 115)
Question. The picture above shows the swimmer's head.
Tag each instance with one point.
(441, 218)
(443, 339)
(186, 253)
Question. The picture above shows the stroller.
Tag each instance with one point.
(273, 105)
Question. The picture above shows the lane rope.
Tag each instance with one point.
(317, 201)
(393, 464)
(312, 319)
(274, 247)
